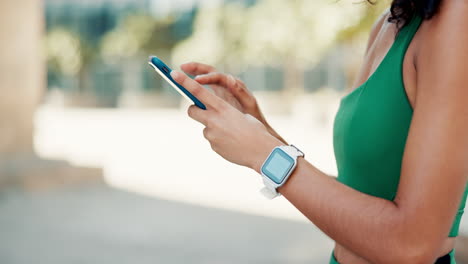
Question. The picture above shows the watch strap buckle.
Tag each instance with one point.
(269, 194)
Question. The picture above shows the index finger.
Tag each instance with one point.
(225, 80)
(196, 68)
(197, 90)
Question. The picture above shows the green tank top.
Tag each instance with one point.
(372, 125)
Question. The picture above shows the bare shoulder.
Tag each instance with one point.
(452, 17)
(443, 53)
(377, 27)
(380, 21)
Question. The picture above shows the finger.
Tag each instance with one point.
(196, 68)
(242, 94)
(197, 114)
(205, 96)
(241, 85)
(217, 78)
(234, 85)
(224, 80)
(207, 133)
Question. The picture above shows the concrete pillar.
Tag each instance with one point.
(22, 73)
(22, 83)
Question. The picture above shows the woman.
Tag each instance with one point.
(400, 139)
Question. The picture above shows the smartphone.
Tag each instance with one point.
(163, 70)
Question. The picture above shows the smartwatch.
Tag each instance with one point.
(277, 168)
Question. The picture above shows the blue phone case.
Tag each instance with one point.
(165, 71)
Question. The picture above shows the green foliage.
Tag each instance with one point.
(367, 19)
(295, 34)
(269, 32)
(66, 53)
(139, 34)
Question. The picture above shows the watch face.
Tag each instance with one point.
(278, 165)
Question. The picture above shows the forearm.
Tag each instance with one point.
(367, 225)
(275, 134)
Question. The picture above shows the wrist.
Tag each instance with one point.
(275, 134)
(263, 151)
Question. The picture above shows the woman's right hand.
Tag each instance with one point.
(230, 89)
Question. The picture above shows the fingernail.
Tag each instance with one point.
(231, 80)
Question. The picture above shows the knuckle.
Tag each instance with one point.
(214, 147)
(197, 91)
(205, 132)
(221, 107)
(190, 111)
(208, 134)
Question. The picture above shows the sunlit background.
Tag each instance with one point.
(100, 163)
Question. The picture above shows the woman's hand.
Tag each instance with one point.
(230, 89)
(237, 137)
(224, 86)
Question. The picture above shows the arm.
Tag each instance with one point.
(434, 169)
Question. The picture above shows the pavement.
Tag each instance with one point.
(100, 224)
(168, 198)
(162, 153)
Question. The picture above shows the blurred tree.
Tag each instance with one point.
(360, 30)
(74, 32)
(69, 55)
(293, 34)
(140, 34)
(75, 51)
(136, 37)
(354, 38)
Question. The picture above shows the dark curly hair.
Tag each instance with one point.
(403, 10)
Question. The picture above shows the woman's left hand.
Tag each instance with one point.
(237, 137)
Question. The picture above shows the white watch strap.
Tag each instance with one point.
(269, 194)
(269, 190)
